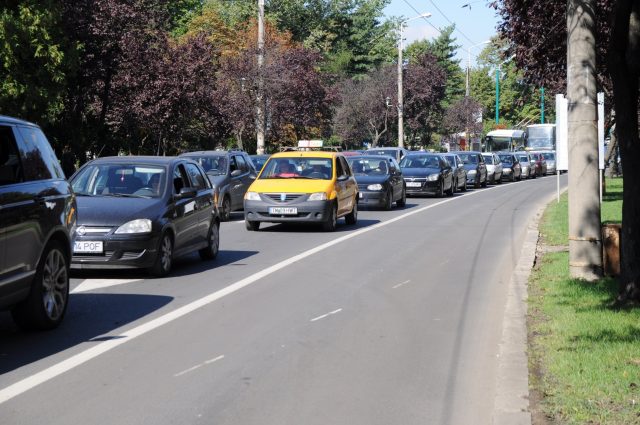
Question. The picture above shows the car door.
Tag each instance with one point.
(245, 177)
(343, 189)
(237, 187)
(185, 221)
(482, 167)
(396, 178)
(203, 201)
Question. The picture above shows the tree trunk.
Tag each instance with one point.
(624, 54)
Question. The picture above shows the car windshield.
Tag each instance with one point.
(488, 159)
(549, 155)
(420, 161)
(524, 158)
(298, 168)
(215, 165)
(506, 158)
(388, 152)
(259, 162)
(131, 180)
(369, 166)
(468, 158)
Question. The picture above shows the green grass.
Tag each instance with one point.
(585, 356)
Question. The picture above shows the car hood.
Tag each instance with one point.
(291, 185)
(419, 172)
(114, 211)
(371, 179)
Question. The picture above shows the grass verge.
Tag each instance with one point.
(584, 355)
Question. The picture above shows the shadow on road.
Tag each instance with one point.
(316, 228)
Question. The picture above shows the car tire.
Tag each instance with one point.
(164, 258)
(464, 185)
(449, 191)
(252, 226)
(484, 183)
(48, 297)
(352, 217)
(332, 221)
(213, 242)
(440, 192)
(499, 180)
(225, 209)
(403, 200)
(454, 186)
(389, 200)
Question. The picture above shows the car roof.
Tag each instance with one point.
(4, 119)
(209, 153)
(305, 154)
(145, 159)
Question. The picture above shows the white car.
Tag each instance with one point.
(494, 167)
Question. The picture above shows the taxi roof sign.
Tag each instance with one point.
(310, 143)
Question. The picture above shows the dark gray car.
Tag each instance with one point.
(231, 173)
(477, 174)
(459, 172)
(37, 217)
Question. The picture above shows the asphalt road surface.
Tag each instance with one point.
(396, 320)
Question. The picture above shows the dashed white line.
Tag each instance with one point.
(93, 284)
(191, 369)
(326, 315)
(401, 284)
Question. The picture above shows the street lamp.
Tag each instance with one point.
(469, 63)
(400, 101)
(498, 87)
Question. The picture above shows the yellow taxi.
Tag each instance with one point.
(303, 186)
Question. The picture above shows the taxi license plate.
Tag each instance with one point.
(414, 184)
(283, 210)
(91, 247)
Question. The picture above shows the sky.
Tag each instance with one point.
(474, 24)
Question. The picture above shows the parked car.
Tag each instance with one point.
(394, 152)
(37, 218)
(142, 212)
(258, 161)
(550, 157)
(459, 172)
(527, 164)
(494, 167)
(476, 168)
(380, 181)
(231, 173)
(540, 163)
(310, 187)
(511, 168)
(427, 174)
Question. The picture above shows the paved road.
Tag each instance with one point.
(394, 321)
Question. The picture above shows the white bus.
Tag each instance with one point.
(541, 137)
(504, 140)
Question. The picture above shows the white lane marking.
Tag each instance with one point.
(401, 284)
(326, 315)
(93, 284)
(76, 360)
(191, 369)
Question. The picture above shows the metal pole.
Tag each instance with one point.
(468, 71)
(400, 99)
(541, 105)
(497, 95)
(585, 241)
(260, 92)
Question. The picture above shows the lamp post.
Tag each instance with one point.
(498, 87)
(260, 113)
(469, 63)
(400, 98)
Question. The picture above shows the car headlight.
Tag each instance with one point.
(318, 196)
(141, 225)
(471, 173)
(376, 186)
(252, 196)
(433, 177)
(507, 170)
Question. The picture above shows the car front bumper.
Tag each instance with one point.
(305, 211)
(372, 198)
(425, 188)
(134, 252)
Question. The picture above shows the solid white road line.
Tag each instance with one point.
(93, 284)
(401, 284)
(326, 315)
(191, 369)
(76, 360)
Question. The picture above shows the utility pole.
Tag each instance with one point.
(260, 114)
(541, 105)
(497, 94)
(585, 244)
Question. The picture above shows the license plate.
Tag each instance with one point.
(92, 247)
(283, 210)
(414, 184)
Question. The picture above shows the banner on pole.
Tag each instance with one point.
(601, 151)
(562, 133)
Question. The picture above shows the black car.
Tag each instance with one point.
(427, 174)
(230, 173)
(459, 172)
(511, 168)
(258, 161)
(477, 174)
(141, 212)
(37, 216)
(380, 181)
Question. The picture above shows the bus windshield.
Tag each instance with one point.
(541, 137)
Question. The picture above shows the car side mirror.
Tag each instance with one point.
(236, 173)
(187, 192)
(343, 178)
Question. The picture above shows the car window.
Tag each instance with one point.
(345, 167)
(40, 162)
(297, 167)
(115, 179)
(196, 177)
(180, 178)
(10, 165)
(339, 169)
(242, 165)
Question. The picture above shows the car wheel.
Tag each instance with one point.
(402, 201)
(225, 211)
(352, 217)
(499, 179)
(49, 295)
(252, 226)
(464, 185)
(389, 200)
(213, 242)
(449, 191)
(484, 183)
(332, 220)
(440, 192)
(454, 186)
(164, 259)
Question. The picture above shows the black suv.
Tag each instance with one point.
(231, 173)
(37, 218)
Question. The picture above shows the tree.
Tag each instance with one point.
(463, 115)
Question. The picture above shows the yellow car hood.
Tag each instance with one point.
(291, 185)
